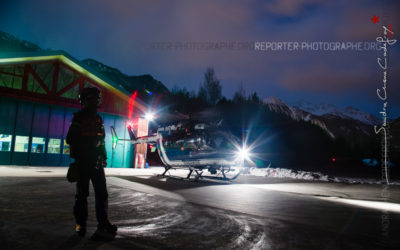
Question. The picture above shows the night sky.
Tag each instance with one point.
(156, 37)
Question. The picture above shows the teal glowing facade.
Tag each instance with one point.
(38, 96)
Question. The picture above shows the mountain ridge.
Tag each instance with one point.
(10, 43)
(131, 83)
(348, 112)
(331, 120)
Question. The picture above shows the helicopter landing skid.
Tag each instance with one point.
(198, 174)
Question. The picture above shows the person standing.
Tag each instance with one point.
(86, 139)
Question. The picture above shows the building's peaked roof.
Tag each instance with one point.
(37, 56)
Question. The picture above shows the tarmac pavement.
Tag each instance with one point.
(168, 213)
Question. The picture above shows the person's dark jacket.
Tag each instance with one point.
(86, 137)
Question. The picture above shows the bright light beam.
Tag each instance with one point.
(315, 192)
(379, 205)
(149, 116)
(243, 154)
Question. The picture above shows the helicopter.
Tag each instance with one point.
(195, 146)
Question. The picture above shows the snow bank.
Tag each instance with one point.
(315, 176)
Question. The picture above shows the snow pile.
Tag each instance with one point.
(362, 181)
(287, 173)
(314, 176)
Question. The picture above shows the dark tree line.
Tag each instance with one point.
(209, 95)
(294, 142)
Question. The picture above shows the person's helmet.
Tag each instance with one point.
(89, 92)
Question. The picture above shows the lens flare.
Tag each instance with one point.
(243, 154)
(149, 116)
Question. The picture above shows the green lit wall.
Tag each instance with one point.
(33, 134)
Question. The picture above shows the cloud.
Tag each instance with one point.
(289, 8)
(357, 25)
(320, 78)
(360, 81)
(117, 32)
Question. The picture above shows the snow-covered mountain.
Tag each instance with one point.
(334, 121)
(277, 105)
(346, 113)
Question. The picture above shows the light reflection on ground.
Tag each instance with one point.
(175, 222)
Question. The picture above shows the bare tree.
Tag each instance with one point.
(240, 94)
(254, 98)
(203, 94)
(211, 89)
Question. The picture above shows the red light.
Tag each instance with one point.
(333, 159)
(131, 104)
(129, 124)
(150, 146)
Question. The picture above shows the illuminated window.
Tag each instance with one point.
(38, 144)
(66, 148)
(54, 146)
(21, 143)
(5, 142)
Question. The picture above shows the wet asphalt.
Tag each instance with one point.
(156, 213)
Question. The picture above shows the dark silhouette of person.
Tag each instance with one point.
(86, 139)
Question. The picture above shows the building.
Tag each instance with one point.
(38, 96)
